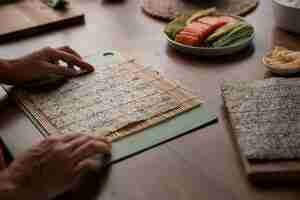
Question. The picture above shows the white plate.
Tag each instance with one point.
(211, 51)
(280, 71)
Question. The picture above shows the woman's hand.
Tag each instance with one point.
(43, 63)
(54, 166)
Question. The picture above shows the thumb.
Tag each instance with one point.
(82, 169)
(87, 165)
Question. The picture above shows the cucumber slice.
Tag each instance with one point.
(201, 13)
(242, 31)
(222, 31)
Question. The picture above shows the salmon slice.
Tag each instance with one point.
(200, 29)
(193, 34)
(197, 28)
(200, 36)
(213, 21)
(187, 39)
(196, 32)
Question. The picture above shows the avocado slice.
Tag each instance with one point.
(242, 31)
(222, 31)
(201, 13)
(176, 26)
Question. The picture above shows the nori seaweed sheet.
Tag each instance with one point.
(265, 116)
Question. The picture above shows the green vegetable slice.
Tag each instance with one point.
(242, 31)
(201, 13)
(222, 31)
(176, 26)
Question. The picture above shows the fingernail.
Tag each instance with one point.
(108, 139)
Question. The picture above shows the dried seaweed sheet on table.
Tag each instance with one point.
(115, 101)
(265, 116)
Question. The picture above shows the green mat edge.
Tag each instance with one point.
(161, 133)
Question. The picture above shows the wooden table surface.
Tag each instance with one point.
(201, 165)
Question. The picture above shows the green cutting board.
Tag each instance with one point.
(128, 146)
(153, 136)
(165, 131)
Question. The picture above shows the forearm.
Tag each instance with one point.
(8, 190)
(2, 160)
(4, 67)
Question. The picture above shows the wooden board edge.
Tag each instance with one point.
(77, 19)
(266, 172)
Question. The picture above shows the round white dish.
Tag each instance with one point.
(212, 51)
(280, 71)
(286, 16)
(209, 51)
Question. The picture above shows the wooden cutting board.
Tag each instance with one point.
(29, 17)
(267, 173)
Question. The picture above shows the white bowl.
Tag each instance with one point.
(286, 16)
(281, 71)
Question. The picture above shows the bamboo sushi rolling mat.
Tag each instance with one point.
(115, 101)
(169, 9)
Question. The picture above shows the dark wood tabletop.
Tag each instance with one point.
(200, 165)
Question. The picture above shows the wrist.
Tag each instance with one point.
(11, 190)
(4, 68)
(8, 189)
